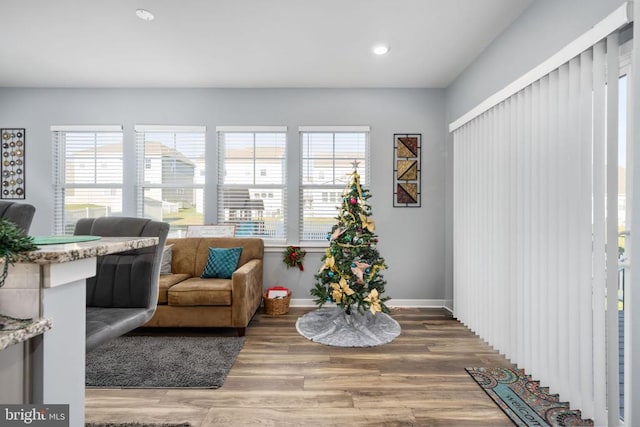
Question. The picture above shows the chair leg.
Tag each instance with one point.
(242, 332)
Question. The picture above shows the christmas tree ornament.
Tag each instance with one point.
(329, 262)
(341, 290)
(336, 233)
(374, 301)
(358, 268)
(367, 223)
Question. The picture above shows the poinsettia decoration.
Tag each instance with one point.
(293, 257)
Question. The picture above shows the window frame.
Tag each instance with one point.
(329, 188)
(141, 166)
(270, 189)
(60, 185)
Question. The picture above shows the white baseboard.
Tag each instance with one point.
(421, 303)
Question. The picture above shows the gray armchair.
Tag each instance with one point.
(18, 213)
(124, 292)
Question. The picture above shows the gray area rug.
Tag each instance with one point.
(159, 362)
(332, 326)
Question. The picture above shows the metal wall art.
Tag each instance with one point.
(406, 169)
(12, 164)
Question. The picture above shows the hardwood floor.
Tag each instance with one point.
(282, 379)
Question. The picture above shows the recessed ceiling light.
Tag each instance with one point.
(380, 49)
(144, 14)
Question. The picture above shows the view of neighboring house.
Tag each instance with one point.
(165, 165)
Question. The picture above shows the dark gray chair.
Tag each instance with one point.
(124, 292)
(18, 213)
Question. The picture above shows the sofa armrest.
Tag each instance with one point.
(246, 292)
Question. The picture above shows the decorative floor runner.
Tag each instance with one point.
(523, 400)
(332, 326)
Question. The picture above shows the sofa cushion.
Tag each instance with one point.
(167, 281)
(190, 254)
(221, 263)
(165, 265)
(197, 291)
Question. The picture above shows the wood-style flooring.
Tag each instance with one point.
(282, 379)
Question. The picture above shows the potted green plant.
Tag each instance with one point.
(13, 243)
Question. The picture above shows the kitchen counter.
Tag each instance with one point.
(14, 331)
(48, 368)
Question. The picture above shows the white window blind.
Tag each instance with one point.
(536, 233)
(252, 179)
(171, 174)
(328, 156)
(87, 174)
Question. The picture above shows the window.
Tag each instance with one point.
(243, 154)
(328, 156)
(87, 174)
(171, 168)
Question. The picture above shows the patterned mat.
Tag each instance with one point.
(523, 400)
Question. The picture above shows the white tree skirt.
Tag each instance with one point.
(332, 326)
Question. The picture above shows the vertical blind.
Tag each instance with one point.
(328, 157)
(171, 174)
(535, 229)
(252, 180)
(87, 174)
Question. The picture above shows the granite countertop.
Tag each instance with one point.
(14, 331)
(49, 254)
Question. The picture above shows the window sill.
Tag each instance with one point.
(310, 247)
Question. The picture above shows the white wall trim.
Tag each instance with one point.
(599, 31)
(86, 128)
(393, 303)
(251, 128)
(169, 128)
(334, 128)
(448, 305)
(279, 247)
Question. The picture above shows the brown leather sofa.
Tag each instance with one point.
(186, 300)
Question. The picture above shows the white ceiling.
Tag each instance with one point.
(245, 43)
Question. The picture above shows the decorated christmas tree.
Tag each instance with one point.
(351, 272)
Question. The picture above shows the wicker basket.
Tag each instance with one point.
(277, 306)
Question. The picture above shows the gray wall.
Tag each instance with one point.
(541, 31)
(411, 239)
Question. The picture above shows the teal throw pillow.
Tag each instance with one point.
(222, 262)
